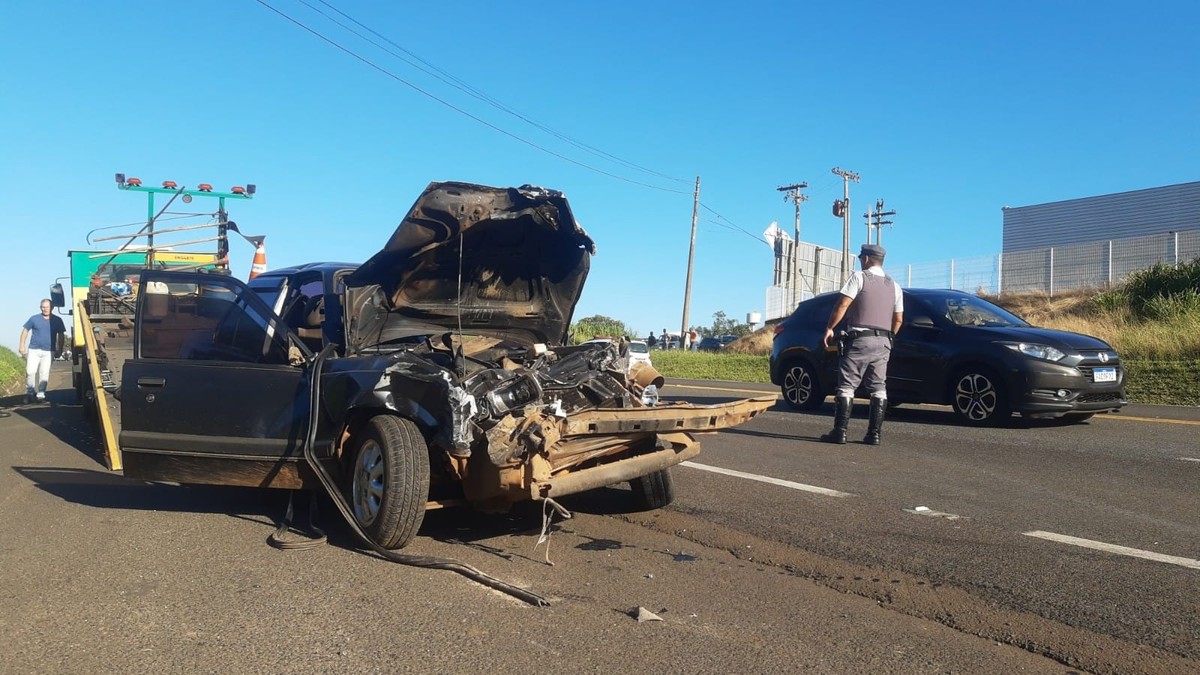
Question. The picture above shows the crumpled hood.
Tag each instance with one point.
(1047, 336)
(523, 262)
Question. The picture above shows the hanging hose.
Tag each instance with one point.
(340, 501)
(318, 535)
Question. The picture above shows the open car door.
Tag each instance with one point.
(217, 388)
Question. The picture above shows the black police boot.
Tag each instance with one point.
(841, 419)
(875, 421)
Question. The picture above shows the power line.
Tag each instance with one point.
(732, 225)
(455, 108)
(447, 78)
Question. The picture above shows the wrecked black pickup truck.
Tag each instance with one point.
(434, 374)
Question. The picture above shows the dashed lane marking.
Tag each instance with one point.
(767, 479)
(1113, 548)
(1189, 459)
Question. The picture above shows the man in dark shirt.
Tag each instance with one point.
(41, 340)
(873, 307)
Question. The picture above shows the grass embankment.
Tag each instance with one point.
(1152, 320)
(12, 372)
(712, 365)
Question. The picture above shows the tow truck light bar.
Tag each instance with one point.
(171, 187)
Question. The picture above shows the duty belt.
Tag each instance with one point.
(865, 332)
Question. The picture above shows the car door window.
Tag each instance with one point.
(204, 320)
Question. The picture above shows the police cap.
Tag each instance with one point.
(873, 250)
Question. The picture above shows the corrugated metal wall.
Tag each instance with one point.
(1172, 208)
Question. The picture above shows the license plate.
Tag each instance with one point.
(1104, 375)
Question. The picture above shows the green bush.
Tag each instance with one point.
(1145, 287)
(12, 372)
(598, 326)
(1174, 306)
(1110, 301)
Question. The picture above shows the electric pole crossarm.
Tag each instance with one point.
(792, 193)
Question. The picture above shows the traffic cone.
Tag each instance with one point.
(260, 261)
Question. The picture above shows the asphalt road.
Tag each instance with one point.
(917, 556)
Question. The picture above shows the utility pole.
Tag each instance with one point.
(878, 222)
(687, 293)
(847, 176)
(792, 193)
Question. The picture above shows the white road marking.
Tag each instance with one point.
(926, 511)
(1113, 548)
(767, 479)
(1189, 459)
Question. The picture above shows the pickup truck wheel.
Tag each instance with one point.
(653, 491)
(389, 480)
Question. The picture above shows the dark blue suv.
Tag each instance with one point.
(955, 348)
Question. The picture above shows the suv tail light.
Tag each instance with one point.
(779, 328)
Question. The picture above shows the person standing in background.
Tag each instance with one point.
(41, 339)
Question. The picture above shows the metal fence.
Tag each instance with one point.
(1090, 265)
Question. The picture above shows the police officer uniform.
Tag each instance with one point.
(873, 307)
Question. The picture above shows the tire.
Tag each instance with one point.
(653, 491)
(389, 480)
(800, 386)
(979, 398)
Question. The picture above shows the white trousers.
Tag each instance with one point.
(37, 370)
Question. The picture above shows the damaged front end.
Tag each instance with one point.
(520, 423)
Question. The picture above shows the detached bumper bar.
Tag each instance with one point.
(611, 474)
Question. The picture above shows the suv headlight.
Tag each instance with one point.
(1044, 352)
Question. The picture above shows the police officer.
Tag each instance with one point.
(873, 307)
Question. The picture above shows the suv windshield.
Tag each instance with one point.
(968, 310)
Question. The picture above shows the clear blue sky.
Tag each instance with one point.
(948, 110)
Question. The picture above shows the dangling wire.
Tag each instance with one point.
(549, 508)
(458, 358)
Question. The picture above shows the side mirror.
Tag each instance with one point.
(57, 297)
(923, 322)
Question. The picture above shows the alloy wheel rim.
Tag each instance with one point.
(368, 483)
(798, 383)
(975, 397)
